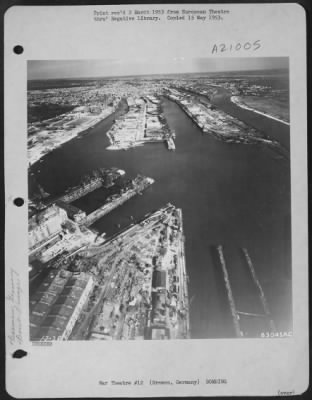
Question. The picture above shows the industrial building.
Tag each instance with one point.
(55, 310)
(45, 225)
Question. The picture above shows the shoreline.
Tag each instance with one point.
(138, 143)
(241, 139)
(183, 274)
(71, 136)
(236, 101)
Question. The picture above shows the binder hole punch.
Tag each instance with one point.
(18, 201)
(18, 49)
(19, 353)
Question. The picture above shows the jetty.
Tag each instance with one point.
(262, 297)
(234, 312)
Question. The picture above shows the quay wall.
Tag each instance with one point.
(222, 137)
(108, 207)
(81, 191)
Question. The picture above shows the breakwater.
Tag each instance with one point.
(262, 297)
(234, 313)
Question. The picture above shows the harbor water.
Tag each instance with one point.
(236, 195)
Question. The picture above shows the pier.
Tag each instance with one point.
(183, 277)
(139, 184)
(161, 310)
(81, 191)
(89, 183)
(264, 317)
(234, 312)
(259, 287)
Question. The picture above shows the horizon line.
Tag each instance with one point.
(155, 74)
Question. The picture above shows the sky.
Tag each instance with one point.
(61, 69)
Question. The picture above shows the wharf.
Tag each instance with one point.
(224, 135)
(183, 276)
(95, 180)
(140, 184)
(144, 268)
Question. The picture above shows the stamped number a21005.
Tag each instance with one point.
(235, 47)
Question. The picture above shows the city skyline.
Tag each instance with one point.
(109, 68)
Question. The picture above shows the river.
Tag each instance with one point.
(270, 127)
(230, 194)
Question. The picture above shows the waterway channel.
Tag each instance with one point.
(270, 127)
(231, 194)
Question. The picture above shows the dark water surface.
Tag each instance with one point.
(230, 194)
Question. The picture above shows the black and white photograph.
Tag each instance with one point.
(159, 199)
(156, 235)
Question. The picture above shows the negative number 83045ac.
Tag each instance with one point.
(276, 334)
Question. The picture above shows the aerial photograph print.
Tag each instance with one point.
(159, 199)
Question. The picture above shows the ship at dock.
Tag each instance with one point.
(130, 189)
(170, 144)
(101, 177)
